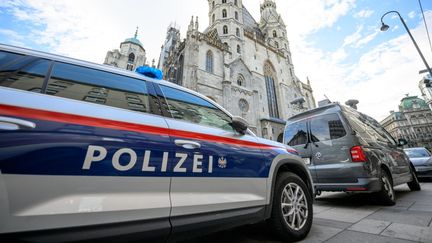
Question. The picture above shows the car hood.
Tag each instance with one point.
(421, 161)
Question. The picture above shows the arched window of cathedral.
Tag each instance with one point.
(270, 76)
(213, 3)
(235, 2)
(209, 62)
(238, 49)
(213, 18)
(223, 1)
(225, 29)
(274, 33)
(179, 78)
(224, 13)
(276, 44)
(131, 58)
(240, 81)
(236, 15)
(238, 32)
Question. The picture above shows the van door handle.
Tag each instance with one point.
(9, 123)
(187, 144)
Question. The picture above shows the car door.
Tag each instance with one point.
(214, 167)
(296, 135)
(331, 149)
(88, 152)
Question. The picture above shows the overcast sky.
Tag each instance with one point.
(336, 43)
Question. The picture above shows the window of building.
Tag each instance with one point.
(296, 133)
(213, 4)
(238, 32)
(22, 72)
(274, 33)
(209, 62)
(131, 58)
(223, 1)
(269, 76)
(236, 15)
(213, 18)
(235, 2)
(240, 80)
(276, 44)
(225, 29)
(94, 86)
(190, 108)
(327, 127)
(129, 67)
(224, 13)
(238, 49)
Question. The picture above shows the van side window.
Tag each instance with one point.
(22, 72)
(327, 127)
(94, 86)
(296, 134)
(191, 108)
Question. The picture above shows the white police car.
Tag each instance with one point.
(90, 151)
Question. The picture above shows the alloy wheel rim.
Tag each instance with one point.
(387, 186)
(294, 206)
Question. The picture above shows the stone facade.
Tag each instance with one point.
(413, 122)
(130, 56)
(426, 91)
(243, 65)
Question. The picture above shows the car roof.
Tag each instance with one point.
(102, 67)
(320, 110)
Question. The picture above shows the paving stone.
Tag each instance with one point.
(420, 206)
(409, 232)
(331, 223)
(320, 234)
(402, 216)
(319, 208)
(350, 215)
(355, 237)
(370, 226)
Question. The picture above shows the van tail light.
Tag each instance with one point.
(357, 154)
(292, 151)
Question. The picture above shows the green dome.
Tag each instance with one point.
(134, 41)
(412, 102)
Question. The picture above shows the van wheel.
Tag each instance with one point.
(387, 195)
(291, 216)
(414, 185)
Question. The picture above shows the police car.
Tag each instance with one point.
(89, 151)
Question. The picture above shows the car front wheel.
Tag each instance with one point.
(292, 212)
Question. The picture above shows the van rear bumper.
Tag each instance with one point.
(362, 185)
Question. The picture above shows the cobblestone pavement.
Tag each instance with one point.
(344, 218)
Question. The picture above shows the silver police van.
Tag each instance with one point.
(89, 151)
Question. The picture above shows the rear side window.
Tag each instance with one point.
(296, 133)
(191, 108)
(326, 127)
(94, 86)
(22, 72)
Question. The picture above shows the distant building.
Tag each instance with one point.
(130, 56)
(426, 91)
(171, 41)
(413, 122)
(242, 64)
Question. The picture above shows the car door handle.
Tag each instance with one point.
(187, 144)
(9, 123)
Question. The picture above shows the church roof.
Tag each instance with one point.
(134, 40)
(250, 24)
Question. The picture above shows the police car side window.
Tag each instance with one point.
(191, 108)
(95, 86)
(22, 72)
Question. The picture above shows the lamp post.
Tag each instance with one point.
(385, 27)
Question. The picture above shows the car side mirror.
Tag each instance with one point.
(239, 124)
(402, 142)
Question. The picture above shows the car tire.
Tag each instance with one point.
(414, 185)
(387, 195)
(292, 212)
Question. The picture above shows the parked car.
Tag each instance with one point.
(422, 160)
(349, 151)
(91, 151)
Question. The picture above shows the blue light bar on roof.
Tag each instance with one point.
(150, 72)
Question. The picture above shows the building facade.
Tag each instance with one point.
(241, 64)
(426, 91)
(130, 56)
(412, 122)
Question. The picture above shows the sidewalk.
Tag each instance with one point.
(339, 217)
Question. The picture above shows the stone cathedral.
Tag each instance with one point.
(242, 64)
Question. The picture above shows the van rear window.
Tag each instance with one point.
(327, 127)
(296, 133)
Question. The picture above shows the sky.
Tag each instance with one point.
(336, 43)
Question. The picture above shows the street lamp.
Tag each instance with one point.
(385, 27)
